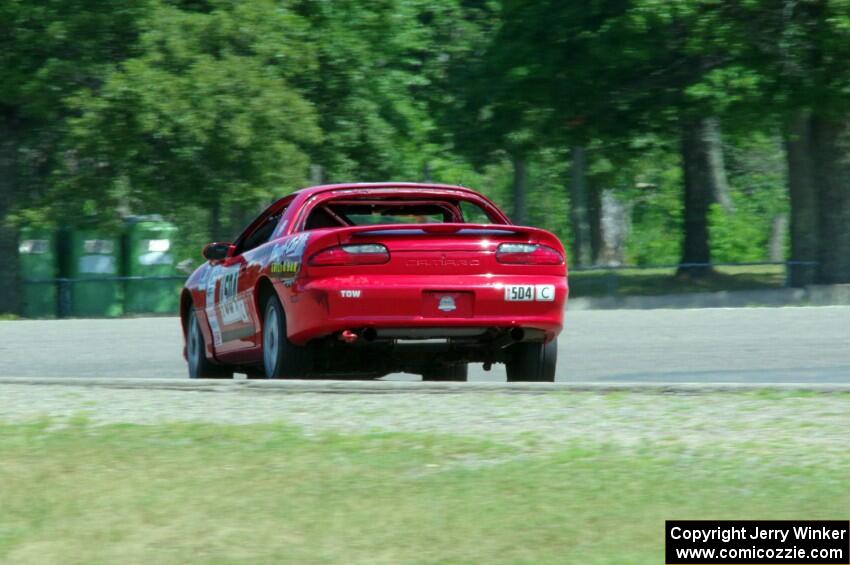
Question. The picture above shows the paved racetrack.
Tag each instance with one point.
(717, 345)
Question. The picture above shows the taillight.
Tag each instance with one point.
(527, 254)
(366, 254)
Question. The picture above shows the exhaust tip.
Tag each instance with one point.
(348, 336)
(370, 334)
(517, 334)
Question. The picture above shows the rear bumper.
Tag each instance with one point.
(322, 307)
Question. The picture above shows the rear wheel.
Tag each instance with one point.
(199, 366)
(457, 372)
(281, 357)
(533, 362)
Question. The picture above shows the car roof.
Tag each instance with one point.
(312, 190)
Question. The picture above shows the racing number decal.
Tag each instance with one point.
(229, 283)
(212, 278)
(232, 308)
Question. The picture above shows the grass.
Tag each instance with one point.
(645, 282)
(182, 493)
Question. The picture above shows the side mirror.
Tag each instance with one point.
(217, 251)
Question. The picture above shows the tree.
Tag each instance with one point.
(370, 62)
(579, 208)
(483, 103)
(801, 51)
(205, 112)
(805, 233)
(49, 51)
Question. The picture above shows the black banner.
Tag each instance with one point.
(757, 542)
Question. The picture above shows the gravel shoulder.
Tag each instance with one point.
(775, 421)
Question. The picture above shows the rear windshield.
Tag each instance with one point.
(368, 212)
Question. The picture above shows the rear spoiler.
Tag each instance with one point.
(441, 229)
(345, 235)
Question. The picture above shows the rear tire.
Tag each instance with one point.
(199, 366)
(457, 372)
(533, 362)
(281, 357)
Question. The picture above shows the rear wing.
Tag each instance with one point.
(320, 239)
(535, 235)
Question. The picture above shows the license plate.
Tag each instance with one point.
(519, 293)
(529, 292)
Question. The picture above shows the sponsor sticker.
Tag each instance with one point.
(233, 312)
(284, 268)
(447, 304)
(286, 256)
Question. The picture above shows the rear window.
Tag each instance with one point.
(368, 212)
(473, 214)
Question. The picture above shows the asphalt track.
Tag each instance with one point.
(744, 345)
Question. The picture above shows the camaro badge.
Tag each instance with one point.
(447, 304)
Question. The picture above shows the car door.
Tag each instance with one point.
(235, 311)
(233, 314)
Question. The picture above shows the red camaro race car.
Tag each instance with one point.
(362, 280)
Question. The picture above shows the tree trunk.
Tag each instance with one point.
(580, 219)
(804, 201)
(832, 180)
(717, 163)
(520, 213)
(594, 209)
(616, 225)
(698, 196)
(776, 241)
(10, 297)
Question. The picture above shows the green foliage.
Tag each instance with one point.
(205, 109)
(756, 173)
(52, 48)
(205, 113)
(657, 207)
(368, 63)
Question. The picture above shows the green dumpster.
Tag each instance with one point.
(91, 261)
(148, 242)
(37, 251)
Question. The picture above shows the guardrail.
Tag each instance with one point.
(161, 298)
(804, 270)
